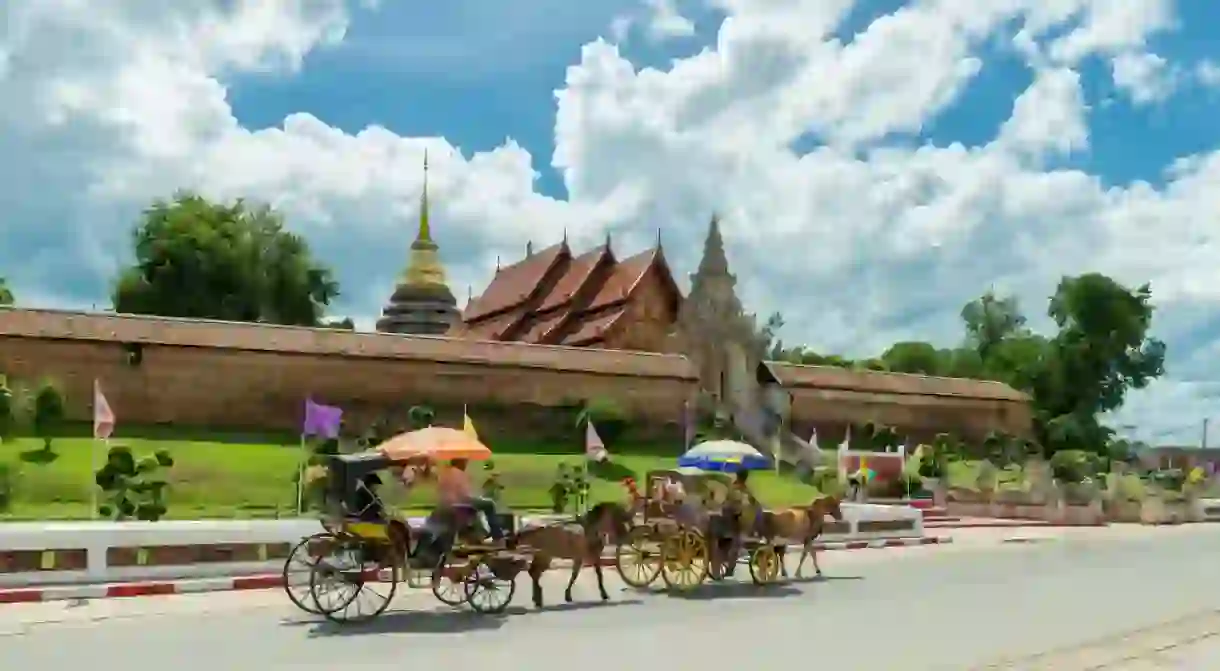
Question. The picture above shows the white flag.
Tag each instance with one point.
(595, 449)
(842, 455)
(103, 416)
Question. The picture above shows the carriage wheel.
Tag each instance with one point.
(764, 565)
(486, 593)
(449, 583)
(351, 589)
(299, 566)
(684, 565)
(638, 559)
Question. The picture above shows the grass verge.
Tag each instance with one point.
(214, 479)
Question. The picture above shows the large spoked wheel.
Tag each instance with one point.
(638, 558)
(486, 593)
(349, 588)
(764, 565)
(299, 566)
(686, 560)
(449, 583)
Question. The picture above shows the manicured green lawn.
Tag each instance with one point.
(213, 479)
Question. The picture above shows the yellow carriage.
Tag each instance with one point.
(670, 541)
(357, 563)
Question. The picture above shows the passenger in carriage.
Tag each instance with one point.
(367, 503)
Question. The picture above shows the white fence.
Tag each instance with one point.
(97, 539)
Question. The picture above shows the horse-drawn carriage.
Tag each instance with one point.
(364, 553)
(688, 533)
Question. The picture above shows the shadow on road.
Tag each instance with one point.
(574, 606)
(412, 622)
(571, 607)
(737, 590)
(816, 579)
(457, 621)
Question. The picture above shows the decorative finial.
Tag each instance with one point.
(607, 238)
(497, 263)
(425, 227)
(658, 237)
(565, 235)
(469, 294)
(529, 247)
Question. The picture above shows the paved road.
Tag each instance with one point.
(1102, 600)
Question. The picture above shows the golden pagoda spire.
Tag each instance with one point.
(424, 265)
(425, 228)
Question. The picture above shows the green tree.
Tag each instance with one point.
(1102, 350)
(6, 294)
(914, 357)
(195, 258)
(991, 319)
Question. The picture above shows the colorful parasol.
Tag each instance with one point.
(728, 456)
(437, 443)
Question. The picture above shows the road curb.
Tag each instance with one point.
(258, 582)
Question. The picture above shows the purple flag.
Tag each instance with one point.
(321, 420)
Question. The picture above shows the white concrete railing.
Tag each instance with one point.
(1207, 510)
(98, 538)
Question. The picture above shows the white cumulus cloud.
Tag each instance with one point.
(863, 240)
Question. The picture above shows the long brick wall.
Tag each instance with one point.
(220, 374)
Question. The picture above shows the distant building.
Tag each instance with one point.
(1184, 457)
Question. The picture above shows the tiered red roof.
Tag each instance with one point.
(553, 297)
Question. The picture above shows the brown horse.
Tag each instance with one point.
(803, 525)
(579, 541)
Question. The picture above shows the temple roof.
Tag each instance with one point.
(553, 297)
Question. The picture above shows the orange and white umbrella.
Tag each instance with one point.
(437, 443)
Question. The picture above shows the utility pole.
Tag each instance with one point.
(1203, 440)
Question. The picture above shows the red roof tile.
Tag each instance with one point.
(578, 273)
(516, 284)
(626, 276)
(594, 328)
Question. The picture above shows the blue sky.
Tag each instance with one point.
(877, 163)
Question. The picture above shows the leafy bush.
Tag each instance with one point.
(607, 416)
(492, 487)
(10, 475)
(133, 488)
(8, 411)
(1171, 479)
(988, 478)
(1072, 466)
(47, 414)
(932, 463)
(421, 416)
(562, 489)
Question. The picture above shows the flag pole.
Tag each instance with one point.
(301, 476)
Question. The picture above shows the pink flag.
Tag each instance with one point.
(595, 449)
(103, 416)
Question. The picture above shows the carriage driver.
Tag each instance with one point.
(453, 485)
(739, 498)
